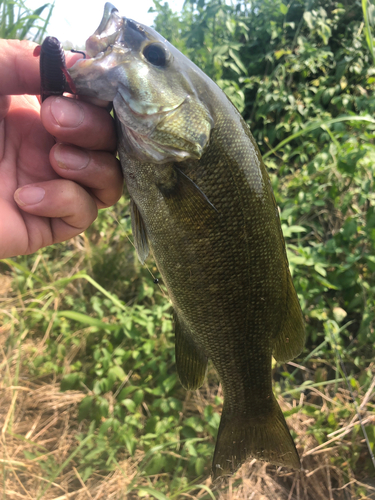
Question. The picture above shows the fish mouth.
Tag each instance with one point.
(100, 54)
(111, 31)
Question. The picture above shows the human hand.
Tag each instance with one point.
(49, 192)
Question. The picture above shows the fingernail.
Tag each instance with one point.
(29, 195)
(67, 112)
(71, 158)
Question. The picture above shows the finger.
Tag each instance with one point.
(5, 101)
(20, 69)
(69, 206)
(98, 170)
(79, 123)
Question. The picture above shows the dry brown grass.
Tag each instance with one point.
(39, 425)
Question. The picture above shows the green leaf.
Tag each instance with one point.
(170, 382)
(150, 491)
(296, 259)
(294, 410)
(199, 466)
(126, 391)
(237, 60)
(282, 52)
(320, 269)
(284, 9)
(86, 473)
(191, 449)
(138, 397)
(117, 372)
(308, 18)
(129, 404)
(70, 381)
(297, 229)
(85, 407)
(326, 283)
(234, 67)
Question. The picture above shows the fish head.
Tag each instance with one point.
(156, 91)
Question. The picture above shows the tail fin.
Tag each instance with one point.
(263, 438)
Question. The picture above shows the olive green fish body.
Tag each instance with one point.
(202, 201)
(228, 279)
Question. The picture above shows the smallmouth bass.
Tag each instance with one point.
(202, 202)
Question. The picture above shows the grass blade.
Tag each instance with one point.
(307, 385)
(87, 320)
(63, 465)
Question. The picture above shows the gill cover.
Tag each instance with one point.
(161, 117)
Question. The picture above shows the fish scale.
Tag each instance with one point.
(202, 201)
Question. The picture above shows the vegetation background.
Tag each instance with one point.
(90, 402)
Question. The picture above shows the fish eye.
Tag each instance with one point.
(155, 54)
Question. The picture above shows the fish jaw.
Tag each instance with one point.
(107, 32)
(90, 76)
(161, 117)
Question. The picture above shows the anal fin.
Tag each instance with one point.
(291, 337)
(191, 362)
(139, 233)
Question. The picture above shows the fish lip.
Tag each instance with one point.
(107, 32)
(108, 10)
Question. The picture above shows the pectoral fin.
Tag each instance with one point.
(291, 337)
(185, 199)
(189, 186)
(190, 360)
(139, 233)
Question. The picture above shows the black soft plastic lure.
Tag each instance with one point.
(54, 76)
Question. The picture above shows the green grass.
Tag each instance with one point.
(18, 21)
